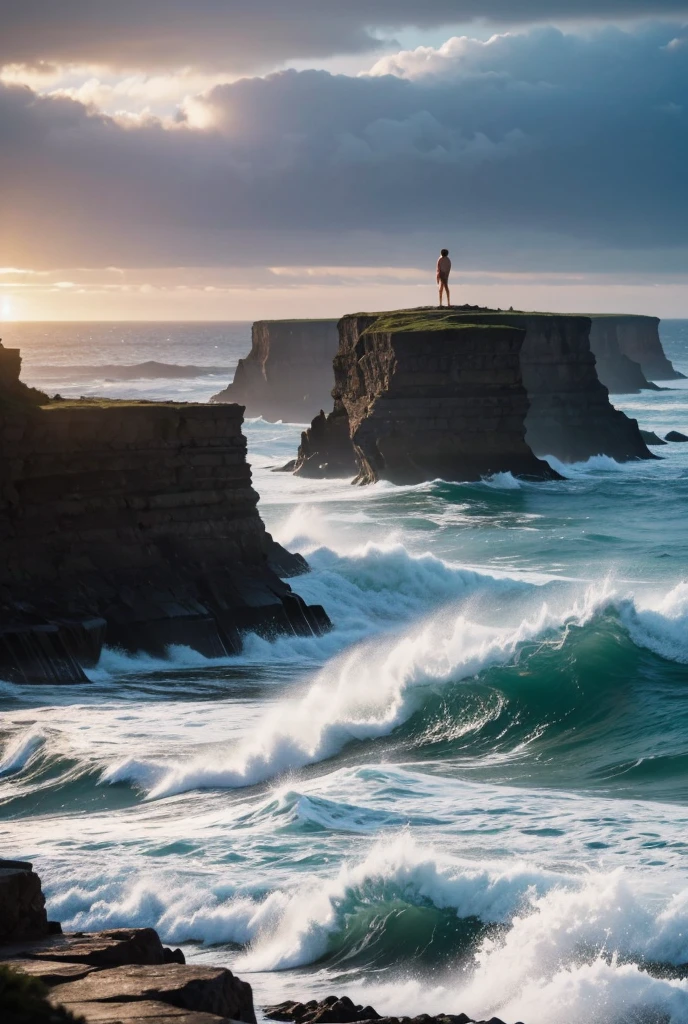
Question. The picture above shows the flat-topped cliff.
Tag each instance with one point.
(565, 408)
(133, 524)
(638, 340)
(288, 373)
(426, 396)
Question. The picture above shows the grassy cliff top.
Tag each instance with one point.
(123, 403)
(416, 320)
(301, 320)
(432, 318)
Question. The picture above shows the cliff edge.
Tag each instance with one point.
(135, 525)
(288, 373)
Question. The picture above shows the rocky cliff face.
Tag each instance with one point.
(426, 396)
(570, 415)
(288, 372)
(566, 409)
(619, 374)
(134, 525)
(638, 340)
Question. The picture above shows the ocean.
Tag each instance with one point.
(472, 795)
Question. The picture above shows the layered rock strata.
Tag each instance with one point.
(288, 372)
(566, 408)
(112, 976)
(428, 396)
(638, 340)
(133, 525)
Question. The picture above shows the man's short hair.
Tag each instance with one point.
(445, 252)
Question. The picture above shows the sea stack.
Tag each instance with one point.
(423, 357)
(131, 524)
(426, 396)
(288, 373)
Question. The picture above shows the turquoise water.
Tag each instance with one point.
(471, 796)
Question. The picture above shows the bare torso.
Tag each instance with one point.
(443, 268)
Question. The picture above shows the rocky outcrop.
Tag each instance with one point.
(638, 340)
(133, 524)
(326, 449)
(446, 393)
(342, 1010)
(650, 438)
(619, 374)
(288, 372)
(429, 395)
(22, 904)
(114, 976)
(676, 436)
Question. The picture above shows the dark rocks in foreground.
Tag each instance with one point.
(342, 1010)
(288, 373)
(135, 525)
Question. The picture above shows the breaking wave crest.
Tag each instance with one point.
(475, 670)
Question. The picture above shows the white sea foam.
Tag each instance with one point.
(595, 464)
(569, 949)
(660, 622)
(503, 482)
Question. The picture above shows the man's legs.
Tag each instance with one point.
(444, 287)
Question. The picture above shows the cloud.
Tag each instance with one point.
(538, 150)
(249, 35)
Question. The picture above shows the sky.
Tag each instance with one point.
(240, 159)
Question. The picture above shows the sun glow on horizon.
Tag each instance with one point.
(6, 312)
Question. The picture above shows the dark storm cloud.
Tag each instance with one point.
(241, 35)
(558, 141)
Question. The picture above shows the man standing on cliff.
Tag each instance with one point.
(443, 269)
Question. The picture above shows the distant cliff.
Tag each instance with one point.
(288, 373)
(440, 385)
(638, 340)
(619, 374)
(628, 351)
(135, 525)
(425, 396)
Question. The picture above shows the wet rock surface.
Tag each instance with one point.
(342, 1010)
(676, 436)
(206, 989)
(150, 981)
